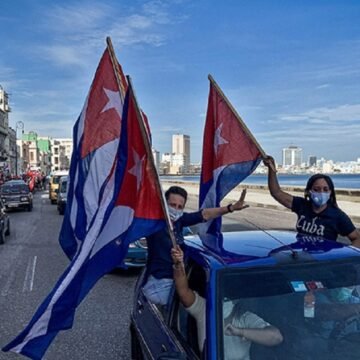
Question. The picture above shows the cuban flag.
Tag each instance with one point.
(96, 140)
(230, 154)
(114, 173)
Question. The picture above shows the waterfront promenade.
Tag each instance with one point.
(259, 196)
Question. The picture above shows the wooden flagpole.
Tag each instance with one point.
(115, 65)
(144, 135)
(243, 125)
(151, 160)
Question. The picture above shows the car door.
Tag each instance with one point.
(2, 223)
(152, 326)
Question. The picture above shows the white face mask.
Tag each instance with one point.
(175, 214)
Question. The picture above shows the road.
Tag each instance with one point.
(31, 261)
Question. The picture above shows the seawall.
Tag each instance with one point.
(259, 196)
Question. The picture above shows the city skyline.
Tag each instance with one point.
(290, 71)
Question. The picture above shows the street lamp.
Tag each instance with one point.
(19, 125)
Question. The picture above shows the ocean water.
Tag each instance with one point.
(341, 181)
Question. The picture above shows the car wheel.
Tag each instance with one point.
(7, 232)
(2, 235)
(136, 353)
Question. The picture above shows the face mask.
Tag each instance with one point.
(175, 214)
(319, 198)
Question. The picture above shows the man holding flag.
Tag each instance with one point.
(114, 198)
(159, 263)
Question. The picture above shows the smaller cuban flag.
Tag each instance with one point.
(230, 154)
(128, 204)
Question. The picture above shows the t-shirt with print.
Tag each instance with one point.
(328, 224)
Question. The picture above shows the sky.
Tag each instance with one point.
(291, 69)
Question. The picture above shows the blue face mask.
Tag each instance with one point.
(319, 198)
(175, 214)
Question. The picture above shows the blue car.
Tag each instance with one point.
(136, 255)
(306, 287)
(137, 252)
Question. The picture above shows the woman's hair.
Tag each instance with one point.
(330, 183)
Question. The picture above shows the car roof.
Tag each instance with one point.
(15, 182)
(59, 173)
(261, 248)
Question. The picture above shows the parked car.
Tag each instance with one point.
(62, 194)
(4, 223)
(136, 255)
(272, 274)
(54, 184)
(137, 252)
(16, 194)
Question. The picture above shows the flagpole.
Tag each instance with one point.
(243, 125)
(151, 160)
(115, 65)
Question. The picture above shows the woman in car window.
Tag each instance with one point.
(318, 213)
(241, 327)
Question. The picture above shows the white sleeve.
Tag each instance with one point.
(250, 320)
(198, 311)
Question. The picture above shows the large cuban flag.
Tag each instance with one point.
(117, 199)
(230, 154)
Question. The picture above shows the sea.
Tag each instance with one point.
(341, 181)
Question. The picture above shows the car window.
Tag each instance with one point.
(13, 189)
(56, 179)
(315, 307)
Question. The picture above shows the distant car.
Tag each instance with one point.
(4, 223)
(62, 195)
(306, 287)
(137, 252)
(136, 255)
(16, 194)
(54, 184)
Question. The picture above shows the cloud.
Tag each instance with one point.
(321, 115)
(322, 86)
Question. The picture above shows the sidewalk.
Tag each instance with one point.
(262, 198)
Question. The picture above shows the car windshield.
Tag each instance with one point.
(316, 308)
(56, 179)
(15, 189)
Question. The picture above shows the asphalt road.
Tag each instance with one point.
(31, 261)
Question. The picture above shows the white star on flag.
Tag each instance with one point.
(136, 170)
(114, 101)
(218, 140)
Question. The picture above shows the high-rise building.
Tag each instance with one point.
(156, 157)
(312, 160)
(181, 146)
(292, 156)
